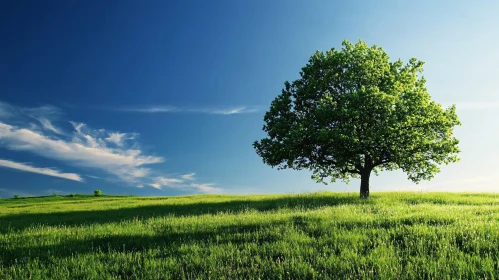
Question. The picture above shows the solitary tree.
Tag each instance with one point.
(353, 111)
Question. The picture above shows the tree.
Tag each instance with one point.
(97, 193)
(353, 111)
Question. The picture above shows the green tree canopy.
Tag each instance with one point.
(353, 111)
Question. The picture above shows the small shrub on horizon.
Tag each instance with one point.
(72, 195)
(16, 196)
(98, 193)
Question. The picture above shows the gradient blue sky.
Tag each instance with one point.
(165, 98)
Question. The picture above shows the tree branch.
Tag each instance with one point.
(382, 159)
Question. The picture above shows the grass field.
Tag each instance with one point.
(308, 236)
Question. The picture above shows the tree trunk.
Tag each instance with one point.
(364, 184)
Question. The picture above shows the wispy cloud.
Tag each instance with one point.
(87, 148)
(38, 170)
(172, 109)
(189, 176)
(160, 182)
(116, 153)
(180, 184)
(119, 139)
(230, 111)
(7, 110)
(4, 113)
(167, 181)
(155, 185)
(206, 188)
(49, 126)
(44, 115)
(149, 109)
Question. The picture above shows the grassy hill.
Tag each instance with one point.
(308, 236)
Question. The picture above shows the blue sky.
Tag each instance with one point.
(165, 98)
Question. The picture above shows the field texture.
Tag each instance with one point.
(312, 236)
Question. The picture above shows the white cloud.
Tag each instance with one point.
(206, 188)
(4, 112)
(160, 182)
(44, 115)
(7, 110)
(113, 152)
(174, 183)
(119, 139)
(49, 126)
(43, 171)
(171, 109)
(226, 111)
(155, 185)
(82, 150)
(150, 109)
(77, 126)
(189, 176)
(232, 111)
(116, 138)
(167, 181)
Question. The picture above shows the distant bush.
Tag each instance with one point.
(98, 193)
(54, 194)
(72, 195)
(16, 196)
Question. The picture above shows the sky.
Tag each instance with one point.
(166, 98)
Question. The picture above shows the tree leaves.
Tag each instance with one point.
(353, 111)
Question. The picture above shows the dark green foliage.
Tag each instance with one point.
(353, 111)
(98, 193)
(16, 196)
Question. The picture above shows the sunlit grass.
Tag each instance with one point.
(312, 236)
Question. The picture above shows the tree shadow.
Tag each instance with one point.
(171, 243)
(13, 222)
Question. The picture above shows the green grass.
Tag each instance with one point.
(308, 236)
